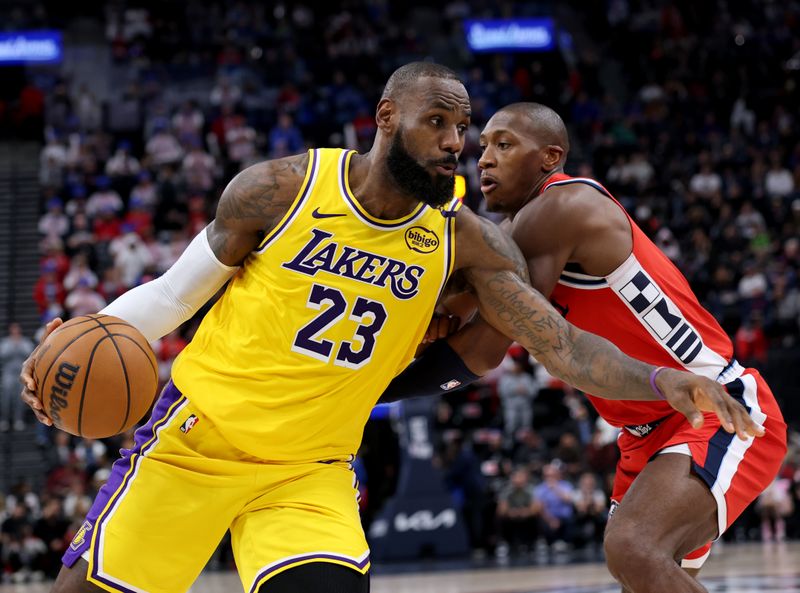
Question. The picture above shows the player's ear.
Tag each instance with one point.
(386, 115)
(552, 156)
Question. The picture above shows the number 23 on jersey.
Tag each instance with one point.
(333, 306)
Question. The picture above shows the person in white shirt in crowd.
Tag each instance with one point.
(131, 256)
(241, 142)
(52, 161)
(199, 168)
(83, 300)
(706, 182)
(225, 94)
(188, 123)
(14, 349)
(163, 147)
(79, 270)
(54, 223)
(517, 389)
(122, 163)
(753, 283)
(104, 199)
(778, 181)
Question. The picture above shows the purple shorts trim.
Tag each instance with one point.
(145, 439)
(269, 570)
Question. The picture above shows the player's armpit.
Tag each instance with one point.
(252, 204)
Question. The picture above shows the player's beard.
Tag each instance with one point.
(414, 179)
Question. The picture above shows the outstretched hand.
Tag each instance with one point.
(692, 395)
(29, 388)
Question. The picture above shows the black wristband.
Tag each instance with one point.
(439, 370)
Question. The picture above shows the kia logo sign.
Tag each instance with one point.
(425, 520)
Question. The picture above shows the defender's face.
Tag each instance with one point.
(424, 151)
(510, 163)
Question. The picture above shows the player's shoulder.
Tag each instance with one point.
(569, 207)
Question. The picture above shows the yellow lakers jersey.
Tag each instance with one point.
(319, 319)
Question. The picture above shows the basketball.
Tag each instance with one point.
(97, 376)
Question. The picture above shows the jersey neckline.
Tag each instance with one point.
(359, 211)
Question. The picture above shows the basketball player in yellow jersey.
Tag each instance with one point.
(335, 261)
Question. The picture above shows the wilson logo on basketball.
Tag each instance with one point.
(65, 377)
(421, 240)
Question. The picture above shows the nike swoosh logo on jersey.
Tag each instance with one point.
(317, 214)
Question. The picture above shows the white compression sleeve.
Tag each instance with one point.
(158, 307)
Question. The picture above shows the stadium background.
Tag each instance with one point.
(113, 158)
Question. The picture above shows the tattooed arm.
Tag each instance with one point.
(497, 272)
(252, 204)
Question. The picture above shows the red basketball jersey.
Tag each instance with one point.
(647, 308)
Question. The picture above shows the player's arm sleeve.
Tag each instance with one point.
(438, 370)
(159, 306)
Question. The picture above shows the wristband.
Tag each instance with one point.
(653, 376)
(438, 370)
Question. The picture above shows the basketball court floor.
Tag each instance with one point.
(743, 568)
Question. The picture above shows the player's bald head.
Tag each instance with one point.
(543, 123)
(405, 77)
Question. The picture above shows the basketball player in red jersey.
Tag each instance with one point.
(676, 488)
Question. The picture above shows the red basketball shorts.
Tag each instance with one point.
(735, 471)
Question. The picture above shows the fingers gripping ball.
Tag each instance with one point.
(96, 375)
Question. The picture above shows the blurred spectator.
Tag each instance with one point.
(51, 529)
(48, 292)
(750, 343)
(83, 300)
(517, 389)
(774, 505)
(104, 199)
(54, 223)
(80, 270)
(145, 190)
(284, 138)
(198, 168)
(240, 141)
(591, 511)
(516, 512)
(122, 163)
(555, 495)
(14, 349)
(131, 256)
(163, 148)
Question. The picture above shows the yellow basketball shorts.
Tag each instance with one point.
(170, 499)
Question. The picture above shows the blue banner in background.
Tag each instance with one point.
(31, 47)
(510, 35)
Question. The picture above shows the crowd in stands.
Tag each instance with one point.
(705, 156)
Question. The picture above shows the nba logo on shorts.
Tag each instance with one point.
(452, 384)
(80, 537)
(189, 424)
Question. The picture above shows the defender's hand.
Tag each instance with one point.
(29, 394)
(693, 394)
(441, 326)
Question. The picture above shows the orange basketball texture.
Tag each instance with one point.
(96, 375)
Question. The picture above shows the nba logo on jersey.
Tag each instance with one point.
(80, 537)
(189, 424)
(452, 384)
